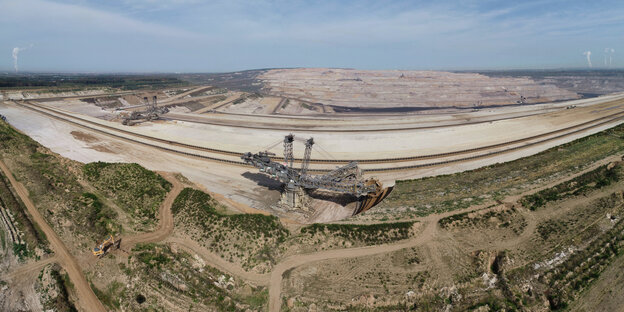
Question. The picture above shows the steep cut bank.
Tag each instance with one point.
(349, 89)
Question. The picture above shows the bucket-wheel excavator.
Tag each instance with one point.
(152, 112)
(346, 179)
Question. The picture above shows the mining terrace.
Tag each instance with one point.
(396, 124)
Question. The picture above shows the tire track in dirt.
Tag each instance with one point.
(425, 237)
(218, 262)
(87, 300)
(20, 271)
(298, 260)
(165, 228)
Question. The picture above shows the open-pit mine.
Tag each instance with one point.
(339, 166)
(445, 123)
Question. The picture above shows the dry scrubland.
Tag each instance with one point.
(85, 202)
(511, 256)
(257, 242)
(421, 197)
(539, 233)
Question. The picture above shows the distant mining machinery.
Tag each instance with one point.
(152, 112)
(346, 179)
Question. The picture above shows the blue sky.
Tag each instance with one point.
(228, 35)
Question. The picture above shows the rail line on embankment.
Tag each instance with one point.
(439, 159)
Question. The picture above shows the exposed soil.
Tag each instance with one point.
(87, 299)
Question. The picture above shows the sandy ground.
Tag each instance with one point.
(399, 88)
(87, 299)
(243, 187)
(429, 238)
(386, 144)
(214, 177)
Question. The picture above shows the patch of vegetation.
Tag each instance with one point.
(133, 188)
(429, 303)
(179, 274)
(53, 186)
(506, 218)
(22, 251)
(307, 106)
(112, 295)
(33, 237)
(152, 256)
(76, 82)
(581, 185)
(460, 190)
(250, 238)
(378, 233)
(585, 266)
(549, 228)
(61, 302)
(102, 217)
(238, 101)
(3, 240)
(45, 172)
(257, 300)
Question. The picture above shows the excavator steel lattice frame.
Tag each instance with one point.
(346, 179)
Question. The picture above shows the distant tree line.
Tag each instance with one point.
(130, 82)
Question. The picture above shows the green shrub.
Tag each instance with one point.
(253, 238)
(368, 233)
(202, 206)
(595, 179)
(134, 189)
(456, 191)
(102, 217)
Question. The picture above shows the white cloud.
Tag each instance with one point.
(264, 33)
(70, 18)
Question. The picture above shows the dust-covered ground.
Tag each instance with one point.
(542, 230)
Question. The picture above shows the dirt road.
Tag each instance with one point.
(396, 163)
(35, 266)
(431, 227)
(428, 234)
(165, 227)
(215, 261)
(87, 301)
(181, 95)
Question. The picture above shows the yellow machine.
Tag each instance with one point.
(104, 246)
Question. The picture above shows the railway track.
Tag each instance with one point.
(268, 125)
(504, 147)
(303, 128)
(403, 159)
